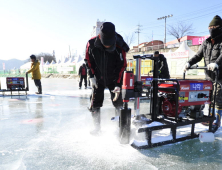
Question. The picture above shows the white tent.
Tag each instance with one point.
(79, 61)
(47, 63)
(65, 60)
(176, 60)
(59, 62)
(71, 61)
(26, 66)
(53, 62)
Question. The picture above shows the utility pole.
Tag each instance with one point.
(165, 17)
(138, 31)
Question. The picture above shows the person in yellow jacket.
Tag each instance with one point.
(36, 76)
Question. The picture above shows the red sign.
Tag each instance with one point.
(3, 65)
(198, 41)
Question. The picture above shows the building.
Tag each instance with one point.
(189, 40)
(96, 28)
(146, 46)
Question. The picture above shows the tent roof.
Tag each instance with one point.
(26, 65)
(53, 62)
(65, 60)
(59, 62)
(184, 47)
(47, 63)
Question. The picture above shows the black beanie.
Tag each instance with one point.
(216, 21)
(156, 52)
(107, 33)
(33, 57)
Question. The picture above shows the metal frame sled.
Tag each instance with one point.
(16, 84)
(155, 115)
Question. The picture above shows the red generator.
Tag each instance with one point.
(15, 83)
(192, 96)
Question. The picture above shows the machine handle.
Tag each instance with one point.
(27, 82)
(147, 56)
(216, 71)
(193, 67)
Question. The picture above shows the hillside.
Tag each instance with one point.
(12, 63)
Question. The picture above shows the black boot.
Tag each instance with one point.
(39, 90)
(96, 121)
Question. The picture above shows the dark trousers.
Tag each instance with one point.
(99, 96)
(218, 103)
(85, 80)
(38, 85)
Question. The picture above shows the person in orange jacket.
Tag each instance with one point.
(36, 75)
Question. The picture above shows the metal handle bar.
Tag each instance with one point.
(147, 56)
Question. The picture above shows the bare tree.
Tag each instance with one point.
(179, 30)
(46, 56)
(129, 39)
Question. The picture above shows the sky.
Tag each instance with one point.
(36, 26)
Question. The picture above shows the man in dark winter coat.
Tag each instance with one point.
(211, 51)
(83, 75)
(106, 57)
(163, 66)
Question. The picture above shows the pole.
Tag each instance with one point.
(69, 52)
(138, 31)
(138, 78)
(165, 17)
(165, 35)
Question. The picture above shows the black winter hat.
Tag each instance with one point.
(156, 52)
(107, 33)
(216, 21)
(33, 57)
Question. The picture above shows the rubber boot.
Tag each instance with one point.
(40, 89)
(218, 117)
(96, 121)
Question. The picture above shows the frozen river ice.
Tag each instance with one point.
(51, 132)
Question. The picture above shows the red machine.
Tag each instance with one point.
(193, 95)
(14, 83)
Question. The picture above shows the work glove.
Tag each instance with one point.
(117, 92)
(212, 66)
(93, 82)
(187, 65)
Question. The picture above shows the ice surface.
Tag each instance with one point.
(52, 131)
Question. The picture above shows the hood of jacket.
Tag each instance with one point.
(36, 62)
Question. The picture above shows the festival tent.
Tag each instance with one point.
(176, 60)
(53, 62)
(25, 67)
(79, 62)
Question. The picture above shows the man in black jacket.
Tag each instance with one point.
(163, 66)
(106, 57)
(211, 51)
(83, 75)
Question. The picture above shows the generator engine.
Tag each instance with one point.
(193, 95)
(15, 83)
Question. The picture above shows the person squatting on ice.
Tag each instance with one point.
(36, 75)
(106, 57)
(211, 51)
(83, 75)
